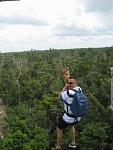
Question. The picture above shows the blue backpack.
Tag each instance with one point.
(79, 105)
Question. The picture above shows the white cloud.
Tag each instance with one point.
(42, 24)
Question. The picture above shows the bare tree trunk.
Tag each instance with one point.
(111, 106)
(2, 116)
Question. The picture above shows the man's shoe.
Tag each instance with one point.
(72, 145)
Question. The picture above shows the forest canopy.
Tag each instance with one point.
(30, 83)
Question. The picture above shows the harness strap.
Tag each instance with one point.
(70, 115)
(67, 105)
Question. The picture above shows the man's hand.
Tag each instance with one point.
(66, 74)
(64, 89)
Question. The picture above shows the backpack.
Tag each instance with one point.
(79, 105)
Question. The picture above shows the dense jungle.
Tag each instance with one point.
(30, 83)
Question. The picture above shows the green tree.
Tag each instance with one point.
(93, 136)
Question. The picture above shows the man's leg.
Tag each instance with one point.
(59, 137)
(72, 134)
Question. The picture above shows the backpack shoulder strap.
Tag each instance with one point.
(79, 90)
(69, 94)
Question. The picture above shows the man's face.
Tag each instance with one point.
(71, 83)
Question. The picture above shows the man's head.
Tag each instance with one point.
(71, 83)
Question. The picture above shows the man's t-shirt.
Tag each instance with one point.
(66, 96)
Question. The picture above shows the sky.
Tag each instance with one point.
(56, 24)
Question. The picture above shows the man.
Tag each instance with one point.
(67, 119)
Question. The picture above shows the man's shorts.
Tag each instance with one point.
(62, 124)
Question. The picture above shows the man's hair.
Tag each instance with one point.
(72, 77)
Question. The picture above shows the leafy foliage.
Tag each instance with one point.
(30, 85)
